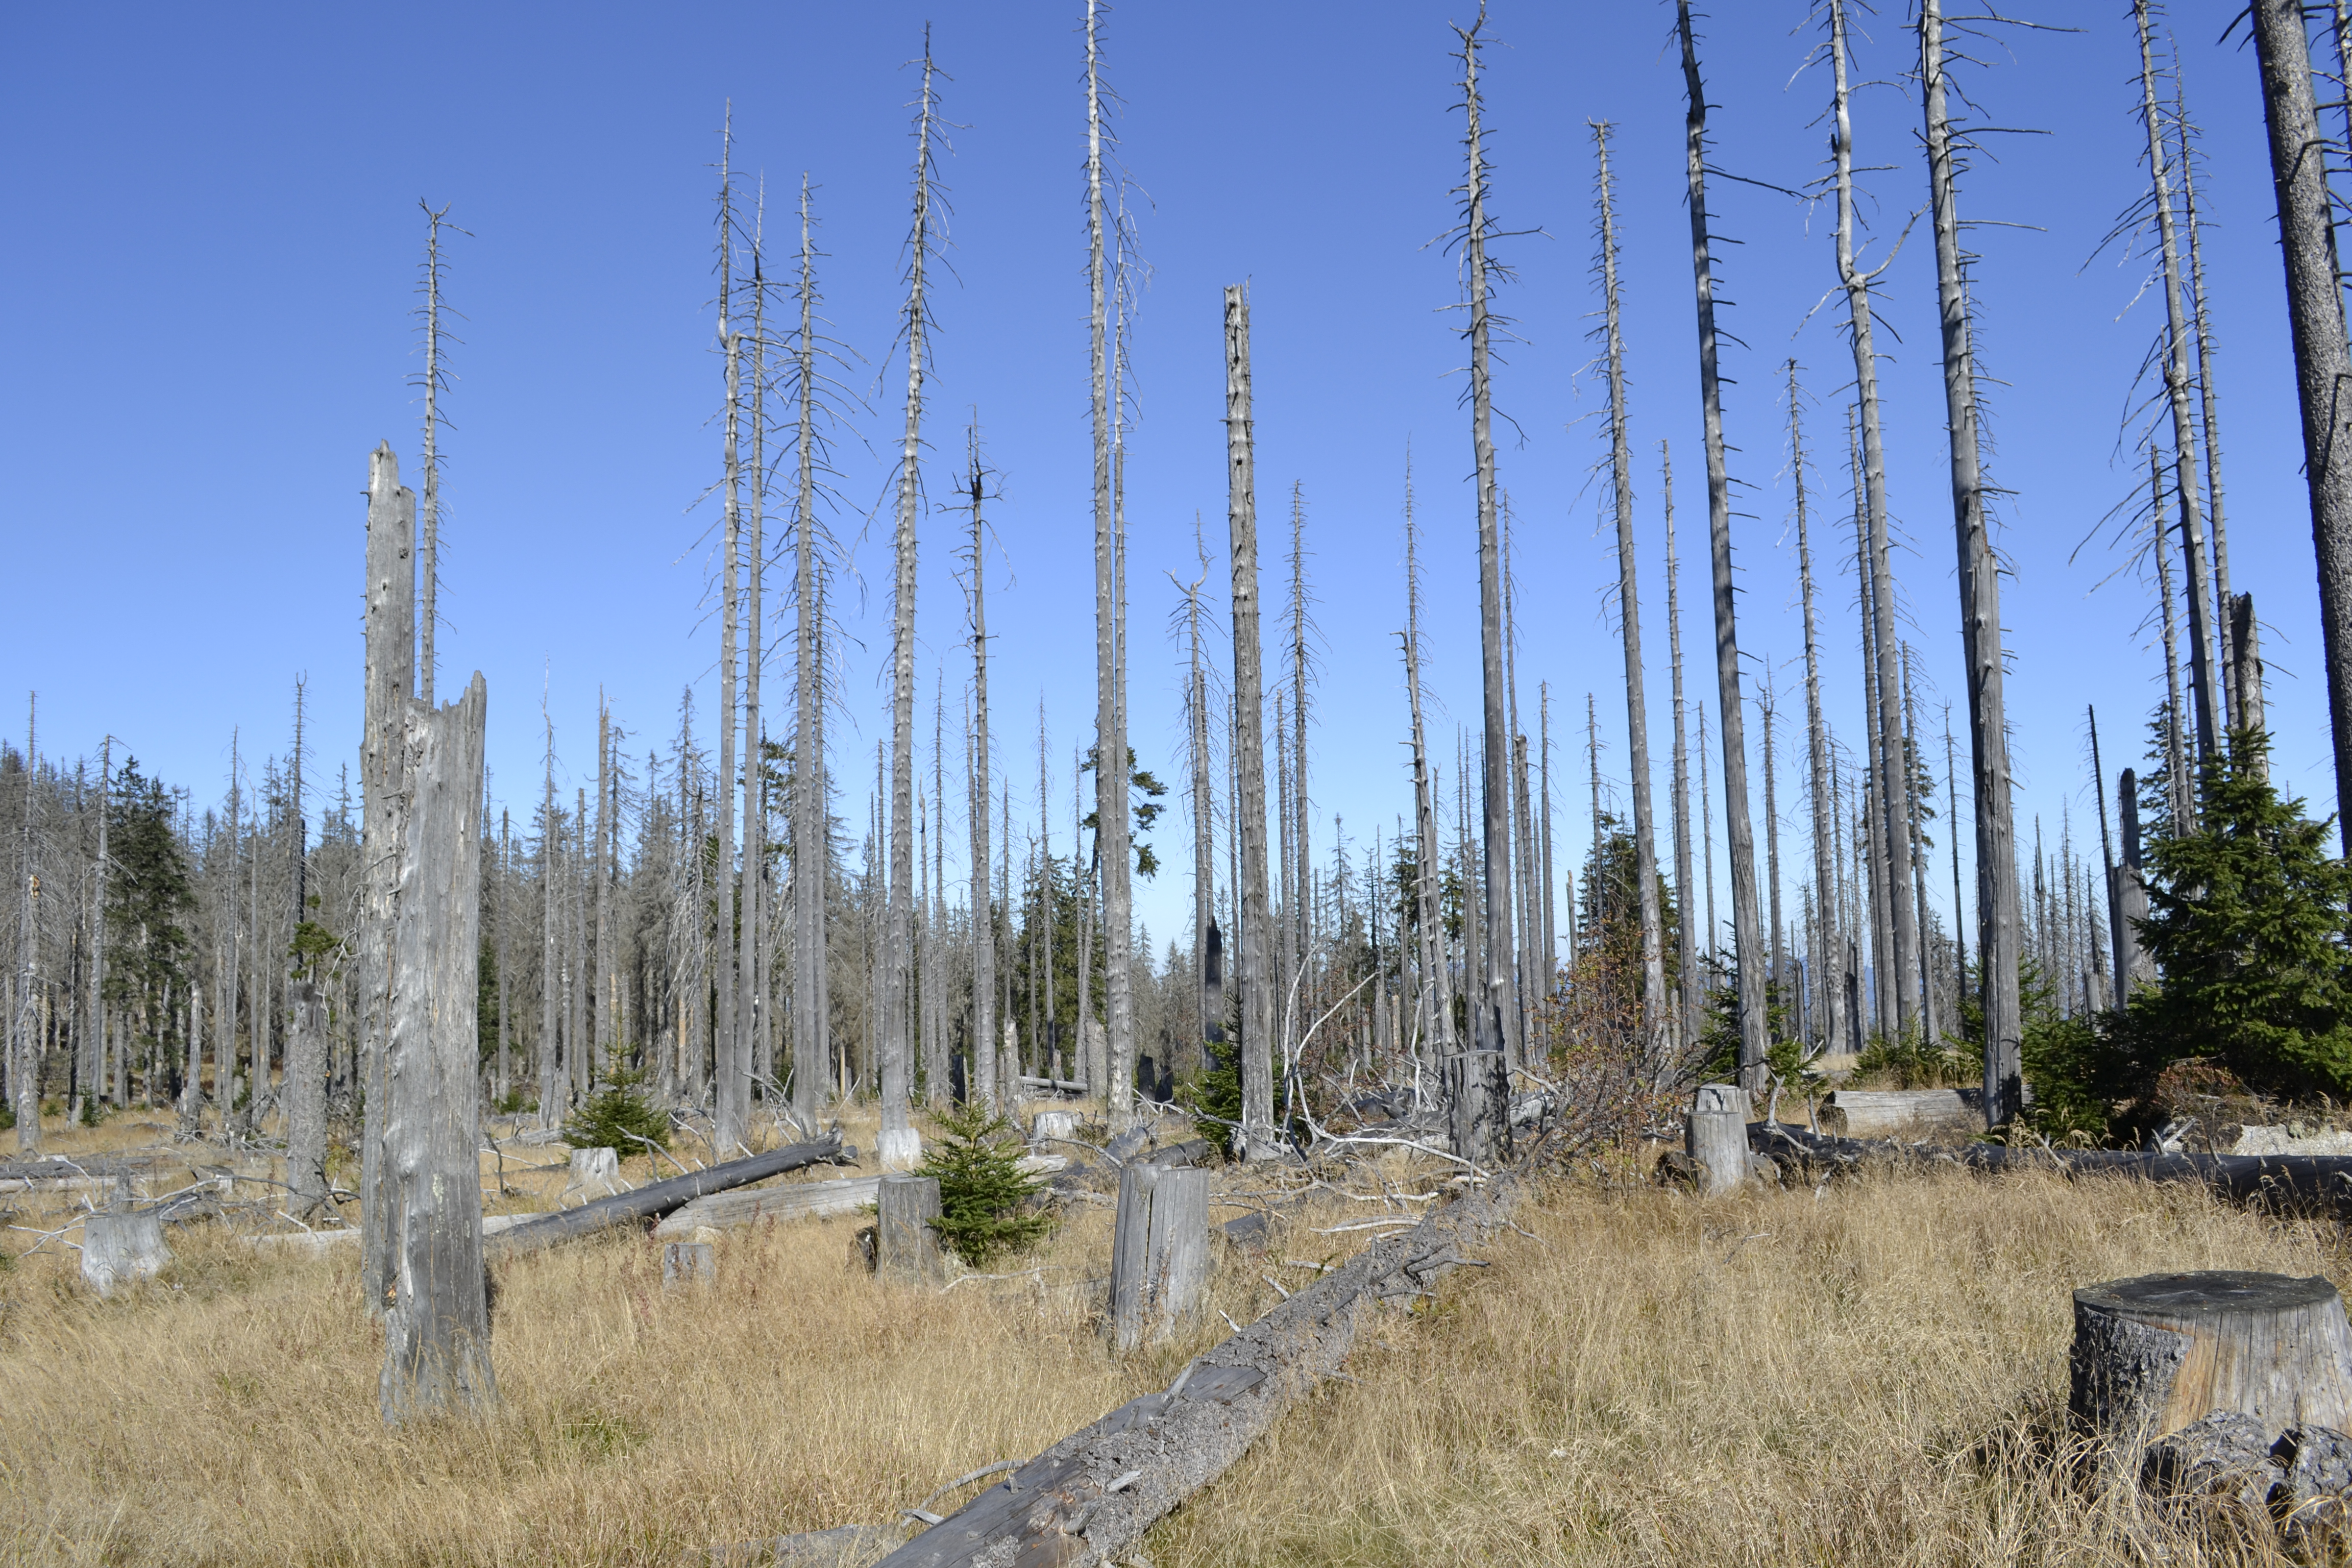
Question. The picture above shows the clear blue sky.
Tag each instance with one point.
(217, 239)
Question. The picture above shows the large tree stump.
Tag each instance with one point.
(1715, 1138)
(2153, 1355)
(594, 1173)
(122, 1250)
(906, 1242)
(1158, 1253)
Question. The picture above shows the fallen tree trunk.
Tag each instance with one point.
(2325, 1179)
(1091, 1497)
(656, 1199)
(807, 1200)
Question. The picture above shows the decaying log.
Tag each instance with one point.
(1715, 1138)
(1089, 1498)
(1896, 1112)
(656, 1199)
(802, 1200)
(906, 1238)
(2155, 1354)
(122, 1250)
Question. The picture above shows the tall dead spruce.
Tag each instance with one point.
(812, 795)
(1255, 968)
(1746, 931)
(1481, 1078)
(1654, 1010)
(984, 1086)
(1997, 911)
(731, 1082)
(1817, 748)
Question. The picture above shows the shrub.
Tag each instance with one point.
(983, 1194)
(618, 1119)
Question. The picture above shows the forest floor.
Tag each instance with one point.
(1870, 1374)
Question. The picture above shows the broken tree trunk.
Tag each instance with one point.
(656, 1199)
(1160, 1251)
(437, 1351)
(1091, 1497)
(2154, 1353)
(390, 653)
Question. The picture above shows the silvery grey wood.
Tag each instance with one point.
(594, 1173)
(656, 1199)
(906, 1242)
(685, 1263)
(436, 1316)
(1160, 1251)
(1715, 1138)
(306, 1100)
(121, 1248)
(801, 1200)
(2154, 1353)
(390, 649)
(1254, 968)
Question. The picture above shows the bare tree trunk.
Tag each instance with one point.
(898, 1145)
(1430, 918)
(2176, 745)
(2208, 399)
(1302, 877)
(1706, 836)
(2246, 658)
(1817, 749)
(432, 382)
(1980, 608)
(1767, 710)
(1655, 1008)
(750, 969)
(1208, 977)
(437, 1355)
(1686, 959)
(1746, 940)
(1928, 1022)
(983, 930)
(390, 650)
(1875, 774)
(2121, 941)
(1257, 1001)
(730, 1090)
(24, 1058)
(550, 990)
(812, 794)
(1477, 1123)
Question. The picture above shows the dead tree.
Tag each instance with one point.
(2208, 399)
(1435, 966)
(898, 1146)
(750, 965)
(1997, 927)
(1878, 584)
(1654, 1008)
(1817, 740)
(434, 382)
(1746, 939)
(1208, 977)
(2177, 772)
(812, 794)
(983, 926)
(24, 1038)
(1686, 983)
(731, 1086)
(2177, 393)
(1482, 1081)
(1111, 772)
(2322, 360)
(436, 1316)
(1255, 967)
(390, 651)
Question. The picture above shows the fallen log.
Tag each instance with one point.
(804, 1200)
(656, 1199)
(1091, 1497)
(2322, 1179)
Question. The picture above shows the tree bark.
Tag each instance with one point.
(1817, 752)
(1980, 610)
(751, 949)
(1436, 966)
(812, 794)
(730, 1090)
(1257, 1001)
(391, 647)
(306, 1101)
(1746, 940)
(983, 927)
(436, 1318)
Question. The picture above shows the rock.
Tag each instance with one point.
(2223, 1459)
(2313, 1500)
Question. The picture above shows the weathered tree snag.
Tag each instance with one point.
(2245, 665)
(906, 1241)
(391, 652)
(306, 1100)
(1715, 1137)
(656, 1199)
(1091, 1497)
(122, 1250)
(1255, 967)
(2155, 1354)
(2134, 967)
(1160, 1251)
(2323, 362)
(436, 1316)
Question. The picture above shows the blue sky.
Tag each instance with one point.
(217, 238)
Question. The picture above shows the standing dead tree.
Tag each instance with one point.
(1686, 983)
(1436, 967)
(390, 650)
(1257, 956)
(2323, 361)
(1655, 1012)
(1746, 935)
(983, 1056)
(1817, 745)
(1997, 897)
(432, 382)
(732, 1093)
(898, 1145)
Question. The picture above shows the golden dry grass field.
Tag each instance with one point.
(1869, 1375)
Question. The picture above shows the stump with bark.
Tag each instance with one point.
(2154, 1354)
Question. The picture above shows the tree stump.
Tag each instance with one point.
(1158, 1253)
(122, 1250)
(906, 1243)
(1053, 1124)
(596, 1173)
(2154, 1354)
(689, 1263)
(1715, 1138)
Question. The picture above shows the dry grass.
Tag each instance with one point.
(1871, 1376)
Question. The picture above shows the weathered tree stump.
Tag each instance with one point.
(1716, 1139)
(122, 1250)
(2154, 1354)
(596, 1173)
(905, 1243)
(1160, 1251)
(689, 1263)
(1050, 1125)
